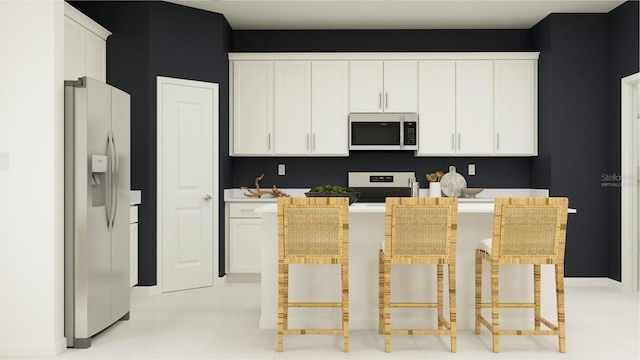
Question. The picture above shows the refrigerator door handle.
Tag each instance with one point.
(109, 185)
(116, 182)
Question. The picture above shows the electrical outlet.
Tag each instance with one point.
(472, 169)
(281, 170)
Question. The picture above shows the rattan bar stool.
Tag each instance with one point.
(312, 231)
(419, 231)
(525, 231)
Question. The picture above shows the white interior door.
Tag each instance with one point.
(188, 196)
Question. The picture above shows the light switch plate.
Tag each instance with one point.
(472, 169)
(4, 160)
(281, 169)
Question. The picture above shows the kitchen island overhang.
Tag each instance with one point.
(410, 284)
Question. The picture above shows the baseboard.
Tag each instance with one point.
(146, 290)
(247, 277)
(615, 285)
(222, 280)
(33, 350)
(591, 281)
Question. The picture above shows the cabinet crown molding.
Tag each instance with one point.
(82, 19)
(386, 56)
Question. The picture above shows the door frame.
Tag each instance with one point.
(215, 202)
(629, 187)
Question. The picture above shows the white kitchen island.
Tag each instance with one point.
(409, 283)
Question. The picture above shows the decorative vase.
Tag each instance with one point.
(435, 190)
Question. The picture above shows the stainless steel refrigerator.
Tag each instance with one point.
(97, 184)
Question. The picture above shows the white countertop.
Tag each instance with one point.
(237, 195)
(465, 206)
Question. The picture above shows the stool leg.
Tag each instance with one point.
(536, 296)
(387, 306)
(494, 304)
(381, 293)
(452, 307)
(282, 294)
(560, 302)
(478, 290)
(345, 306)
(440, 282)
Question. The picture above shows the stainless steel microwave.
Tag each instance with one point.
(383, 131)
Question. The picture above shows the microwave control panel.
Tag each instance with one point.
(410, 133)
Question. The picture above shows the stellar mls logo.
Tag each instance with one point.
(611, 180)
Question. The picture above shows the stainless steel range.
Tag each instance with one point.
(376, 186)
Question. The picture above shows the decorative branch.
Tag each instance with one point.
(258, 193)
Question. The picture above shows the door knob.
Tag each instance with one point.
(207, 198)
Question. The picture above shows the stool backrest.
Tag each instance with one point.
(529, 230)
(421, 230)
(313, 230)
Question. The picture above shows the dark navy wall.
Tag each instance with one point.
(308, 172)
(575, 123)
(624, 43)
(153, 39)
(379, 40)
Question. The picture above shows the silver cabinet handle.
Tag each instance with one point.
(386, 100)
(269, 142)
(207, 197)
(380, 99)
(458, 141)
(313, 142)
(498, 141)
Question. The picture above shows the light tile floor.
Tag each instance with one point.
(222, 323)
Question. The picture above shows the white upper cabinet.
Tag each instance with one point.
(468, 104)
(85, 46)
(252, 99)
(292, 107)
(516, 107)
(401, 86)
(436, 107)
(474, 107)
(384, 86)
(330, 108)
(366, 80)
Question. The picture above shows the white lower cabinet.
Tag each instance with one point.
(244, 238)
(133, 238)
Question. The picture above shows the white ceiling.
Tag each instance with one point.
(392, 14)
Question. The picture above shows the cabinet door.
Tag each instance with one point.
(252, 108)
(437, 107)
(400, 86)
(515, 107)
(244, 245)
(292, 127)
(74, 50)
(96, 56)
(365, 81)
(474, 107)
(330, 108)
